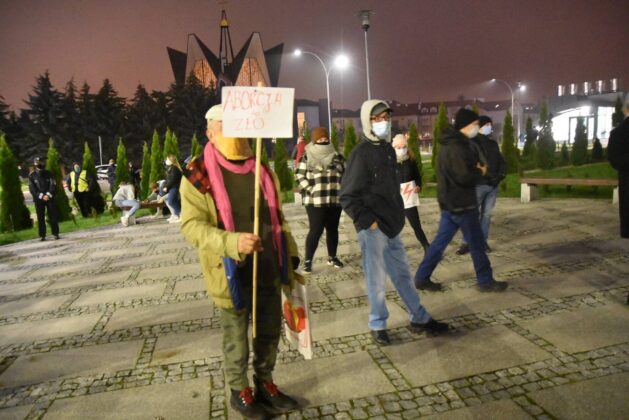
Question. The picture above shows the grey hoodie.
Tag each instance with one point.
(369, 190)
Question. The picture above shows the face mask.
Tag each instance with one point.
(401, 152)
(473, 132)
(485, 130)
(77, 169)
(381, 129)
(167, 162)
(233, 148)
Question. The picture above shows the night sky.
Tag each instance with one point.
(419, 50)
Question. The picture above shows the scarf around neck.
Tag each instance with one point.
(319, 155)
(213, 162)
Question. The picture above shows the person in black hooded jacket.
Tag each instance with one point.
(618, 155)
(487, 187)
(458, 172)
(42, 186)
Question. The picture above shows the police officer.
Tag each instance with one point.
(42, 186)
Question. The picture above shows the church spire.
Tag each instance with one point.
(226, 52)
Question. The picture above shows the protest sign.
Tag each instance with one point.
(410, 197)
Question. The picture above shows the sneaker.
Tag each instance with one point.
(272, 398)
(427, 285)
(124, 221)
(170, 218)
(307, 269)
(494, 286)
(174, 219)
(463, 249)
(432, 327)
(333, 261)
(381, 337)
(246, 405)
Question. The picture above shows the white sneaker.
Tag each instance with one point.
(174, 219)
(124, 220)
(170, 219)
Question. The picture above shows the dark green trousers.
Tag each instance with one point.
(236, 338)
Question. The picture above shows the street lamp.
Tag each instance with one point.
(521, 87)
(341, 62)
(364, 16)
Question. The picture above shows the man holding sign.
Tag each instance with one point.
(217, 197)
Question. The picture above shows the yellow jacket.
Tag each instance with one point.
(199, 226)
(83, 184)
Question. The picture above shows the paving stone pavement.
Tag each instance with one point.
(115, 323)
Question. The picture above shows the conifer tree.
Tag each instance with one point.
(195, 149)
(334, 136)
(157, 168)
(350, 140)
(306, 131)
(509, 151)
(440, 124)
(97, 201)
(565, 155)
(146, 171)
(618, 116)
(413, 145)
(280, 163)
(529, 151)
(61, 199)
(597, 150)
(122, 168)
(14, 214)
(475, 108)
(175, 147)
(546, 143)
(263, 154)
(580, 145)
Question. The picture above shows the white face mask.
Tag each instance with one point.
(473, 132)
(381, 129)
(167, 162)
(401, 152)
(485, 130)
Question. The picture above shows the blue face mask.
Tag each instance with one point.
(381, 129)
(485, 130)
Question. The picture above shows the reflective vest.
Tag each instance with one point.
(83, 186)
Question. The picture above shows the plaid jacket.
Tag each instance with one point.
(320, 187)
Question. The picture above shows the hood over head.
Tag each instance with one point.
(365, 118)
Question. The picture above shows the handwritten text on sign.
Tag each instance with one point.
(257, 111)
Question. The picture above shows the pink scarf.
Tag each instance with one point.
(212, 159)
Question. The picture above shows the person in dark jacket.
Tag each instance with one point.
(111, 175)
(458, 172)
(406, 170)
(371, 198)
(42, 186)
(487, 188)
(171, 187)
(134, 175)
(319, 176)
(618, 155)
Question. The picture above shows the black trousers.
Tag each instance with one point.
(83, 200)
(623, 203)
(412, 215)
(40, 209)
(320, 218)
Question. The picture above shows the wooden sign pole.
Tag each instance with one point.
(256, 231)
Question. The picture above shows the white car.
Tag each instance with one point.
(101, 172)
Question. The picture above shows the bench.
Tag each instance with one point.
(143, 205)
(528, 186)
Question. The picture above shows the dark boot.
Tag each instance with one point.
(244, 402)
(272, 398)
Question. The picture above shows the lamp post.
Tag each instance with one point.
(340, 61)
(521, 88)
(364, 16)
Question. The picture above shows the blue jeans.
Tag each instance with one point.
(449, 224)
(486, 196)
(381, 256)
(134, 204)
(172, 201)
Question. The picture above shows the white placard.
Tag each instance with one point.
(251, 112)
(410, 197)
(297, 319)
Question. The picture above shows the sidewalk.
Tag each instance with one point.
(114, 323)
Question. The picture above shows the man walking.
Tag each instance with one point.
(487, 188)
(370, 195)
(43, 188)
(618, 155)
(458, 172)
(217, 197)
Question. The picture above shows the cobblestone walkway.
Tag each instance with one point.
(115, 323)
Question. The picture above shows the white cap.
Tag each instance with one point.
(215, 113)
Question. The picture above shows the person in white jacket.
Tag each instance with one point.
(125, 197)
